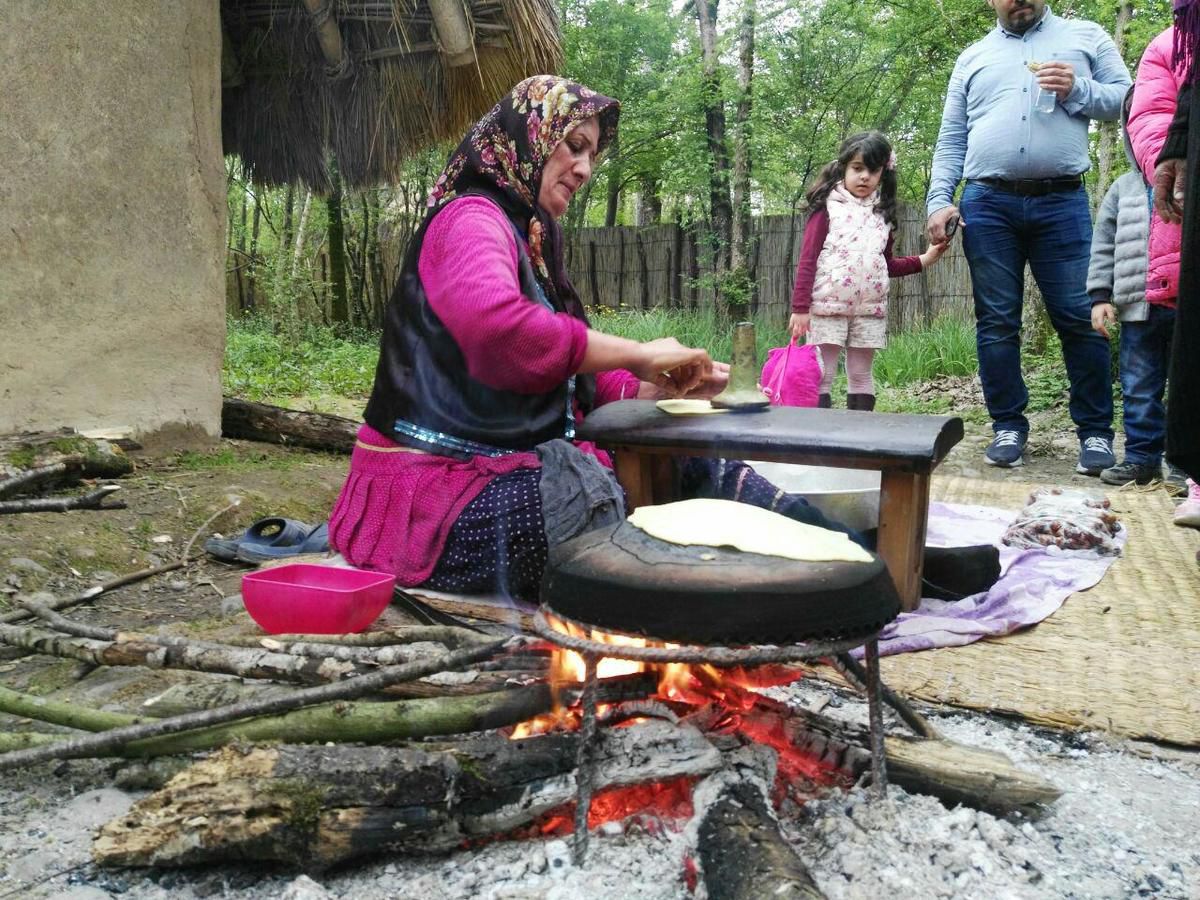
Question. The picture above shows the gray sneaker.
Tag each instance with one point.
(1006, 450)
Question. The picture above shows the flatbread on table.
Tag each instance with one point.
(726, 523)
(688, 407)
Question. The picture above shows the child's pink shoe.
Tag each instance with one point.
(1187, 513)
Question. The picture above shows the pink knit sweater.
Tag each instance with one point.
(396, 508)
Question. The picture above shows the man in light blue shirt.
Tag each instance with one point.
(1021, 141)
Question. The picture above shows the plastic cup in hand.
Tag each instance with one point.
(1043, 100)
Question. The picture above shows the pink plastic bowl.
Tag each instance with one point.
(307, 599)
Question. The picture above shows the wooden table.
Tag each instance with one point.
(904, 449)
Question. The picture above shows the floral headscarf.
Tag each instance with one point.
(505, 152)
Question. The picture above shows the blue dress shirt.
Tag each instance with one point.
(989, 126)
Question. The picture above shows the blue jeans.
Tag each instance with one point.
(1145, 352)
(1052, 233)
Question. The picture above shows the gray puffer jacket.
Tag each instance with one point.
(1117, 268)
(1119, 248)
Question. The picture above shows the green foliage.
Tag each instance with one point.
(1046, 376)
(946, 348)
(263, 362)
(693, 328)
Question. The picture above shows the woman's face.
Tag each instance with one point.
(569, 167)
(859, 180)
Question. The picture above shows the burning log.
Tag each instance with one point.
(954, 773)
(319, 806)
(958, 774)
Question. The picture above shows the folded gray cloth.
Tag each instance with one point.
(578, 494)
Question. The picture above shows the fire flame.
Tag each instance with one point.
(729, 694)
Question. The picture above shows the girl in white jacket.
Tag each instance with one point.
(841, 288)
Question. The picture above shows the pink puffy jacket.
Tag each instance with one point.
(1153, 107)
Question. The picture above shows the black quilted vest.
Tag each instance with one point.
(422, 377)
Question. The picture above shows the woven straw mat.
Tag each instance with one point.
(1122, 657)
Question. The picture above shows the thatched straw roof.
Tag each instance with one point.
(371, 81)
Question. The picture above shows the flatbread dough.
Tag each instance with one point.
(726, 523)
(688, 407)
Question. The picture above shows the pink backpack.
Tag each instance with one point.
(791, 375)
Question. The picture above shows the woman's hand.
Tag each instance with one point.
(933, 254)
(712, 384)
(1169, 189)
(799, 325)
(673, 368)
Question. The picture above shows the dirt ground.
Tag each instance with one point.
(1123, 829)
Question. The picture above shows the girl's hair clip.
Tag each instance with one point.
(891, 163)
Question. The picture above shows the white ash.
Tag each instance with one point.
(1124, 827)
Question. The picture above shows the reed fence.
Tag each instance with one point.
(642, 267)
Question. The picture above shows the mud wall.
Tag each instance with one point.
(112, 217)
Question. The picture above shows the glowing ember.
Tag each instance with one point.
(730, 703)
(661, 800)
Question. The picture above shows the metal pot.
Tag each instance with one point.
(849, 496)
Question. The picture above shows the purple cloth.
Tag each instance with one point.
(1032, 585)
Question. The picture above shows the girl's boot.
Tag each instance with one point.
(824, 401)
(865, 402)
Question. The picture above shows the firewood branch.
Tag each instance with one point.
(104, 647)
(104, 742)
(91, 500)
(366, 723)
(408, 634)
(23, 481)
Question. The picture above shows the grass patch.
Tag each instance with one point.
(692, 328)
(946, 348)
(311, 366)
(263, 362)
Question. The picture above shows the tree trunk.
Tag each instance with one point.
(241, 258)
(741, 286)
(252, 260)
(275, 425)
(1108, 148)
(649, 203)
(284, 248)
(339, 307)
(613, 195)
(319, 806)
(299, 246)
(721, 210)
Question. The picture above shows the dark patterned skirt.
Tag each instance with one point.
(498, 543)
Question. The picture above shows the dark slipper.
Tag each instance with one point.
(271, 538)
